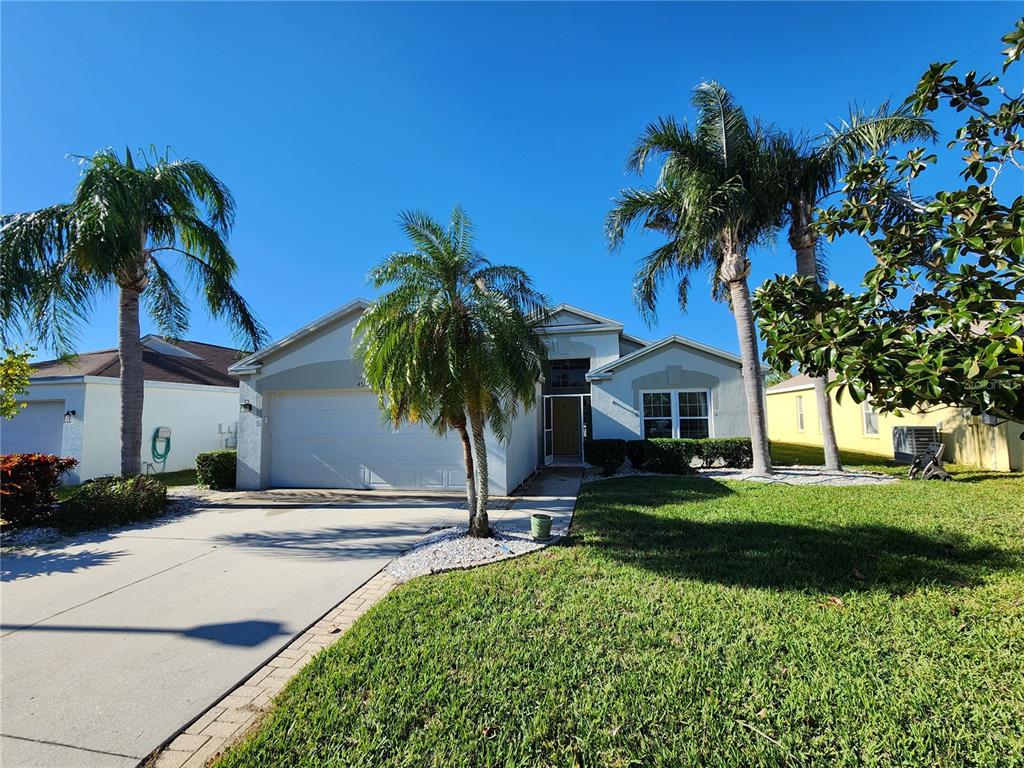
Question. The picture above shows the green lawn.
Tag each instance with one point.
(792, 453)
(170, 479)
(694, 622)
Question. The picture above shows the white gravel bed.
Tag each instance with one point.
(794, 475)
(803, 475)
(181, 500)
(453, 548)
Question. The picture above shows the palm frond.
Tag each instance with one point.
(225, 302)
(165, 303)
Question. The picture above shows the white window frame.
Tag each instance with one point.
(674, 398)
(865, 411)
(799, 413)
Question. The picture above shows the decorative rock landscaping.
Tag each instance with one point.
(453, 549)
(792, 475)
(801, 475)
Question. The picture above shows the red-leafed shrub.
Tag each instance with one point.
(27, 482)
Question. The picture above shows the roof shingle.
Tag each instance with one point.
(210, 369)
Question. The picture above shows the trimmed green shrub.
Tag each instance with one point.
(673, 457)
(730, 451)
(606, 454)
(27, 482)
(110, 501)
(636, 452)
(216, 469)
(665, 454)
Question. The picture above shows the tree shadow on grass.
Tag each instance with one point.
(783, 556)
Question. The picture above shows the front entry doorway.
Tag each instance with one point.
(565, 422)
(566, 426)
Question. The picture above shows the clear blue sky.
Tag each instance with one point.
(327, 119)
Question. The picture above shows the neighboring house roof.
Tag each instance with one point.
(251, 362)
(794, 384)
(181, 362)
(608, 368)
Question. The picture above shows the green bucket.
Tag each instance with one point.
(540, 526)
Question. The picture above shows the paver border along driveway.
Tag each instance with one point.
(112, 643)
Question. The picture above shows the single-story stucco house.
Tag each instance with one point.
(308, 420)
(74, 407)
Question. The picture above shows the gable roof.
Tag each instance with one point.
(795, 383)
(594, 319)
(181, 362)
(250, 363)
(607, 369)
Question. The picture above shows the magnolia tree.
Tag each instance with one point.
(940, 319)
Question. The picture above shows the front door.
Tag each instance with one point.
(565, 421)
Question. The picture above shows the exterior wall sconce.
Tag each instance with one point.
(246, 407)
(67, 416)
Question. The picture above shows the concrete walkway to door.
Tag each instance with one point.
(112, 643)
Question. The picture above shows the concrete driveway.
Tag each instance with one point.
(111, 644)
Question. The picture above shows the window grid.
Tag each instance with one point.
(870, 419)
(677, 413)
(799, 413)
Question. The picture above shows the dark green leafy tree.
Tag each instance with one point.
(816, 167)
(718, 195)
(453, 343)
(124, 227)
(940, 320)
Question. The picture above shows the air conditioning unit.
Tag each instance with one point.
(908, 442)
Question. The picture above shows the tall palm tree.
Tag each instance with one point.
(453, 343)
(123, 224)
(717, 196)
(816, 167)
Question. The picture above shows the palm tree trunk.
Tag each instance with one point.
(478, 523)
(805, 242)
(828, 428)
(129, 347)
(467, 457)
(734, 274)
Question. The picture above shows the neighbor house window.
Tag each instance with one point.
(677, 413)
(870, 419)
(799, 413)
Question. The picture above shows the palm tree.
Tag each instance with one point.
(116, 233)
(717, 196)
(453, 343)
(815, 168)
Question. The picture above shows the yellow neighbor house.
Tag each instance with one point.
(793, 418)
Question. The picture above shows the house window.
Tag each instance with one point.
(568, 377)
(677, 413)
(799, 413)
(694, 420)
(657, 414)
(870, 419)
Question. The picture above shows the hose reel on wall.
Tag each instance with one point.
(160, 447)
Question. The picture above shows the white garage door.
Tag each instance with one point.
(337, 440)
(39, 428)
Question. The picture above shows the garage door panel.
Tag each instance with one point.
(38, 428)
(338, 439)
